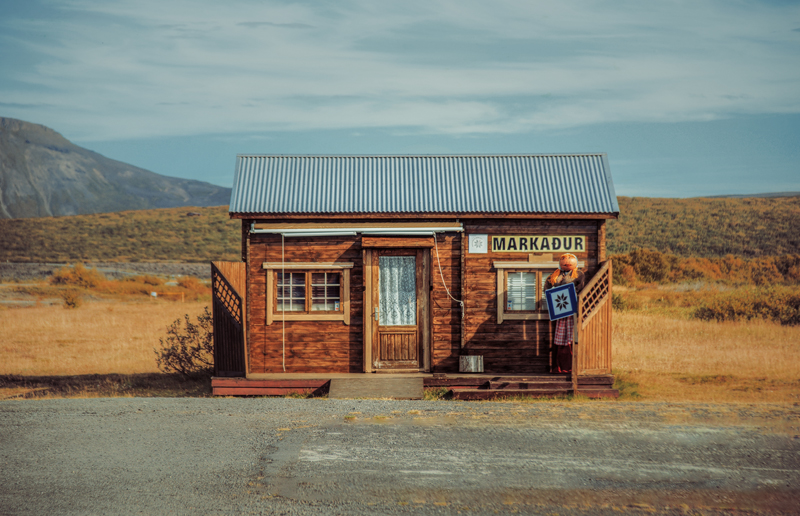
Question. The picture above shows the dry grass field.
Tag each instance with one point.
(676, 359)
(657, 357)
(100, 337)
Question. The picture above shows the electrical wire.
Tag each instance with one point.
(441, 274)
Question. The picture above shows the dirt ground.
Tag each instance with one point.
(322, 456)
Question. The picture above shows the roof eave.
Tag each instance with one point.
(422, 215)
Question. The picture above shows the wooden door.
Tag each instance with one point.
(399, 309)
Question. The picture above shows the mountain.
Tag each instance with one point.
(44, 174)
(746, 196)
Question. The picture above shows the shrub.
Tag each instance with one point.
(147, 279)
(777, 304)
(188, 348)
(72, 298)
(618, 302)
(191, 283)
(78, 276)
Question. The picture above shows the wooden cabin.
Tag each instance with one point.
(405, 264)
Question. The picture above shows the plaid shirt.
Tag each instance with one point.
(564, 331)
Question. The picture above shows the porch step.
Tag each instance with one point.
(482, 387)
(488, 394)
(598, 392)
(531, 385)
(245, 387)
(483, 381)
(377, 387)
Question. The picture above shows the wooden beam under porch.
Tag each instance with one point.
(462, 386)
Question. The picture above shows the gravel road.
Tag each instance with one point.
(322, 456)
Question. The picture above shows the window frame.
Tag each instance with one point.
(537, 282)
(541, 269)
(273, 269)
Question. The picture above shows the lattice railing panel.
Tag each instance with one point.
(595, 293)
(226, 294)
(229, 321)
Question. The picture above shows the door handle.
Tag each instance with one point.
(376, 315)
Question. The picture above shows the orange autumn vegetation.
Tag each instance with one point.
(648, 266)
(94, 282)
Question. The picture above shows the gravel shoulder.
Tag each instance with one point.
(321, 456)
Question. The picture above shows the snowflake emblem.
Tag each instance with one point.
(561, 301)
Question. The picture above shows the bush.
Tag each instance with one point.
(147, 279)
(780, 305)
(618, 302)
(78, 276)
(188, 348)
(191, 283)
(72, 298)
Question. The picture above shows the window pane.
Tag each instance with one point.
(325, 294)
(521, 291)
(291, 292)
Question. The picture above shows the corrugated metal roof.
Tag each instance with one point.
(556, 183)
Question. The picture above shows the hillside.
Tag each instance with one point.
(44, 174)
(164, 235)
(751, 227)
(707, 227)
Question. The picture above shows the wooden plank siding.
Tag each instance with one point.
(304, 346)
(513, 347)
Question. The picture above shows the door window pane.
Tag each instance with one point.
(397, 293)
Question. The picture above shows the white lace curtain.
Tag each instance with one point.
(398, 290)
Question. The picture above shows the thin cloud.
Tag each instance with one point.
(255, 25)
(110, 70)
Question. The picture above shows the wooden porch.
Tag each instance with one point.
(460, 386)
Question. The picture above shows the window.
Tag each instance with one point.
(520, 290)
(524, 292)
(308, 291)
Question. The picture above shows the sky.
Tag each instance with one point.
(687, 98)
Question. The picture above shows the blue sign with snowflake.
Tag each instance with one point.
(561, 301)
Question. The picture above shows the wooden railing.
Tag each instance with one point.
(592, 352)
(228, 281)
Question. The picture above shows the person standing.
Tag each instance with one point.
(567, 272)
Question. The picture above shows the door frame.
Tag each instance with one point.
(423, 274)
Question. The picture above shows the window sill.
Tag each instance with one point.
(278, 316)
(510, 316)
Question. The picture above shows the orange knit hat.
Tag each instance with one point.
(557, 273)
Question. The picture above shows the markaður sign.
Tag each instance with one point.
(538, 244)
